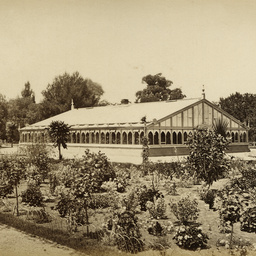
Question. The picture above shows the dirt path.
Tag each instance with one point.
(17, 243)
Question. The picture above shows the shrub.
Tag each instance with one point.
(32, 196)
(190, 237)
(248, 220)
(208, 196)
(131, 200)
(185, 210)
(39, 216)
(101, 201)
(157, 209)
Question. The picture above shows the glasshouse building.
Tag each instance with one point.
(117, 130)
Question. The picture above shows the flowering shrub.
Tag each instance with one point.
(131, 200)
(185, 209)
(190, 237)
(248, 220)
(103, 200)
(157, 209)
(207, 195)
(156, 228)
(170, 187)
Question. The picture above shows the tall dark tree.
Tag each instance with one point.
(64, 88)
(59, 133)
(242, 107)
(158, 89)
(3, 116)
(27, 92)
(12, 132)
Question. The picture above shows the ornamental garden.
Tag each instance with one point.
(205, 203)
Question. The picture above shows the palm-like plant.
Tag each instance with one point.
(220, 126)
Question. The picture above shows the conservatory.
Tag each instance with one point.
(117, 130)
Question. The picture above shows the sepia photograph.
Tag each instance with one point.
(127, 127)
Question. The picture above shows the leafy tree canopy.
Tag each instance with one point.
(27, 92)
(59, 134)
(158, 89)
(242, 107)
(3, 116)
(64, 88)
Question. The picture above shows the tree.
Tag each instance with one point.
(242, 107)
(64, 88)
(12, 132)
(27, 92)
(207, 157)
(3, 116)
(59, 133)
(158, 89)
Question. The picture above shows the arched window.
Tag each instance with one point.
(97, 138)
(107, 138)
(156, 138)
(103, 138)
(130, 138)
(83, 138)
(93, 137)
(87, 137)
(141, 137)
(113, 138)
(233, 137)
(36, 139)
(124, 138)
(78, 137)
(168, 138)
(32, 137)
(118, 138)
(74, 137)
(136, 138)
(174, 138)
(163, 138)
(245, 137)
(185, 136)
(179, 138)
(236, 137)
(150, 138)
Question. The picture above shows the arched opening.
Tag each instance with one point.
(174, 138)
(233, 137)
(130, 138)
(141, 137)
(136, 138)
(168, 138)
(113, 135)
(118, 138)
(102, 138)
(150, 138)
(245, 137)
(107, 138)
(156, 138)
(78, 137)
(236, 137)
(87, 137)
(83, 138)
(97, 138)
(179, 138)
(185, 137)
(124, 138)
(74, 137)
(93, 137)
(163, 138)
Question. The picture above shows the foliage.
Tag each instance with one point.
(145, 149)
(157, 90)
(242, 107)
(12, 171)
(38, 215)
(59, 134)
(156, 228)
(191, 238)
(3, 116)
(220, 127)
(146, 195)
(64, 88)
(207, 195)
(37, 155)
(103, 200)
(185, 210)
(32, 196)
(157, 209)
(12, 133)
(131, 201)
(248, 220)
(170, 187)
(127, 232)
(207, 156)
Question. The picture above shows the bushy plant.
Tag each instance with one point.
(39, 215)
(103, 200)
(32, 196)
(131, 201)
(170, 187)
(248, 220)
(190, 237)
(157, 209)
(207, 195)
(127, 233)
(185, 210)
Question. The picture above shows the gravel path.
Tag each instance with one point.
(17, 243)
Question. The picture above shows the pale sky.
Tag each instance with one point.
(117, 42)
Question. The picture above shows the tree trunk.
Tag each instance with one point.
(17, 200)
(231, 237)
(60, 157)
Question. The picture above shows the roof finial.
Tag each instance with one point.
(72, 104)
(203, 92)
